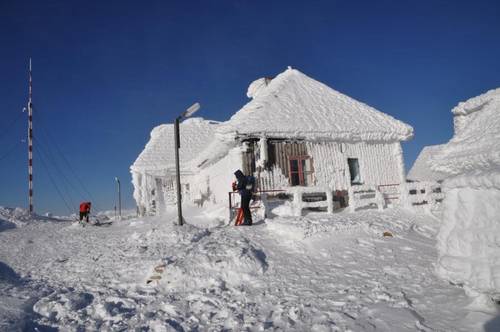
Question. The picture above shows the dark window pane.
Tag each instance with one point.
(294, 165)
(295, 179)
(354, 170)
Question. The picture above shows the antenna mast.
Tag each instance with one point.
(30, 144)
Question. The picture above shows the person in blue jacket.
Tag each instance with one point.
(245, 188)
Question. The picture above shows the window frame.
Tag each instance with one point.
(301, 172)
(360, 181)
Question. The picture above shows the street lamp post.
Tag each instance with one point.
(190, 111)
(119, 199)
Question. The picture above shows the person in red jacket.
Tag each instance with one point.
(85, 211)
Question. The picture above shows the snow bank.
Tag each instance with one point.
(295, 105)
(215, 261)
(469, 238)
(18, 217)
(229, 278)
(292, 229)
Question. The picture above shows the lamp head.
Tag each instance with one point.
(191, 110)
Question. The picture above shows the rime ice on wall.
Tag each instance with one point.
(154, 168)
(468, 241)
(379, 163)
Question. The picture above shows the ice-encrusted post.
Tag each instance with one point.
(119, 198)
(329, 199)
(263, 151)
(177, 171)
(297, 202)
(352, 201)
(380, 199)
(403, 195)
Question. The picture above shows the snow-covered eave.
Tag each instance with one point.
(347, 136)
(215, 151)
(162, 171)
(477, 103)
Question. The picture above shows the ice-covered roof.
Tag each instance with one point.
(158, 155)
(475, 145)
(295, 105)
(421, 169)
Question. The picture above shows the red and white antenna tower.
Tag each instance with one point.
(30, 144)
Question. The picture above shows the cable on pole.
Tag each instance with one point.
(63, 157)
(53, 182)
(4, 132)
(12, 149)
(66, 182)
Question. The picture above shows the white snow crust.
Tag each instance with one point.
(421, 169)
(314, 273)
(475, 145)
(158, 155)
(469, 238)
(295, 105)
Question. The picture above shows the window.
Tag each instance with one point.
(300, 171)
(354, 170)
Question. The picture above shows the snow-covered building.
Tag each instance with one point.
(295, 131)
(153, 172)
(421, 169)
(468, 241)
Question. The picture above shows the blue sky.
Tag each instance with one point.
(107, 72)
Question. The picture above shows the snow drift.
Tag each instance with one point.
(469, 238)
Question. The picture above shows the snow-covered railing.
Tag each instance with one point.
(364, 196)
(425, 194)
(259, 201)
(301, 193)
(391, 193)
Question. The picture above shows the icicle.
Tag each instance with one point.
(261, 156)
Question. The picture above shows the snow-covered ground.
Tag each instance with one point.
(314, 273)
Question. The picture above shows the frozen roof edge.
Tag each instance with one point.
(154, 135)
(475, 104)
(278, 83)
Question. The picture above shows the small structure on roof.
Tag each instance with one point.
(298, 132)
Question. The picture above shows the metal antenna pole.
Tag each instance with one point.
(119, 201)
(30, 143)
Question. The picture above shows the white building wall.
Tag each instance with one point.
(213, 183)
(379, 163)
